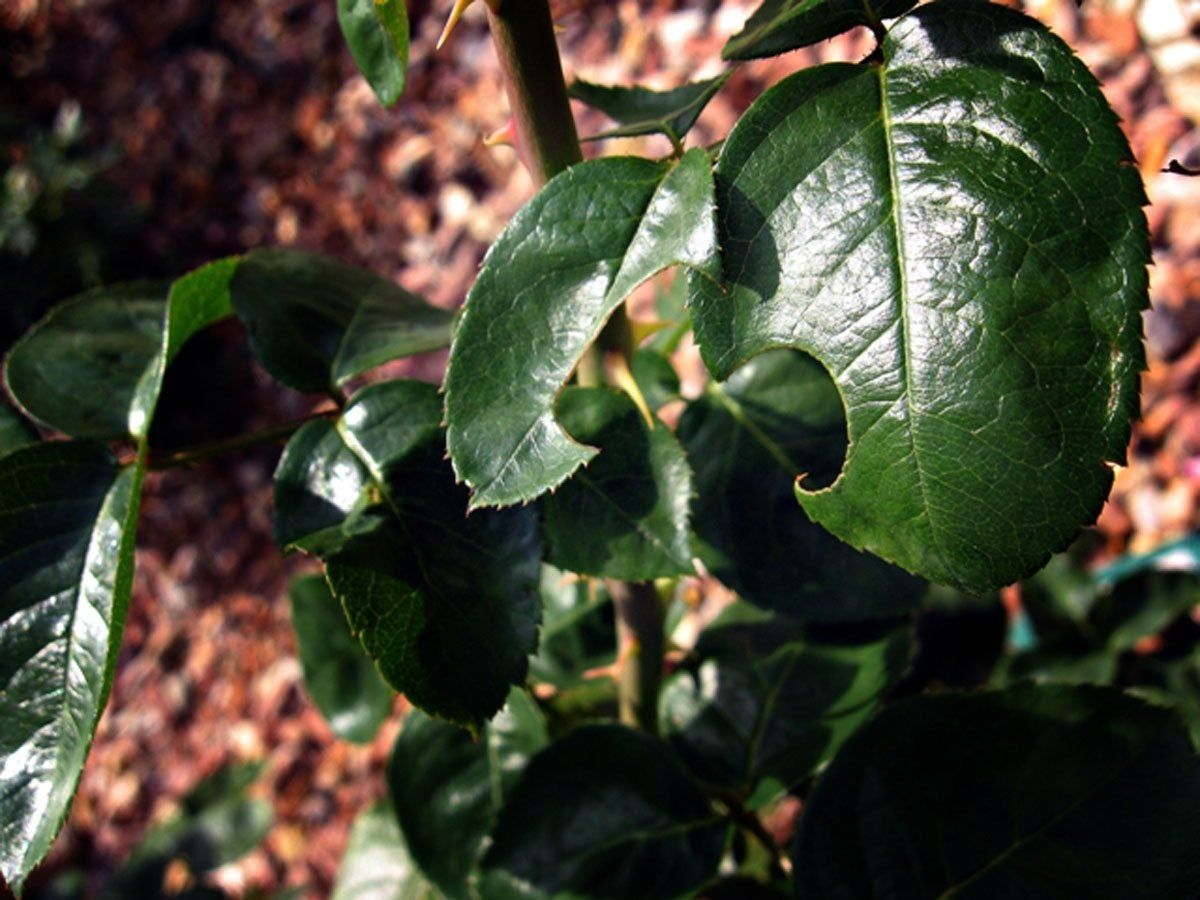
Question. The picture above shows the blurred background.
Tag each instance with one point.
(138, 140)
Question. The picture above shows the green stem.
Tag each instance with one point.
(548, 143)
(270, 435)
(640, 652)
(537, 94)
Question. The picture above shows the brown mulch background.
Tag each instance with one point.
(244, 123)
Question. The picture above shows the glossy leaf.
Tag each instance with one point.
(376, 31)
(626, 514)
(578, 629)
(87, 367)
(93, 367)
(639, 110)
(547, 286)
(341, 679)
(15, 431)
(956, 234)
(1047, 791)
(447, 787)
(746, 440)
(377, 864)
(445, 603)
(315, 323)
(766, 702)
(778, 26)
(67, 525)
(632, 825)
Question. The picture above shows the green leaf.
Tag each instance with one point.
(956, 234)
(767, 702)
(376, 31)
(625, 515)
(341, 679)
(607, 812)
(15, 431)
(67, 525)
(778, 26)
(560, 268)
(639, 110)
(93, 367)
(447, 786)
(90, 366)
(377, 864)
(746, 440)
(314, 323)
(578, 629)
(655, 376)
(445, 603)
(1047, 791)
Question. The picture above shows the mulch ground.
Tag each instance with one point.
(240, 124)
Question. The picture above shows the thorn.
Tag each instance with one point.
(505, 135)
(460, 7)
(623, 378)
(558, 29)
(643, 328)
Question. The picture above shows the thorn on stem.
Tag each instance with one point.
(460, 7)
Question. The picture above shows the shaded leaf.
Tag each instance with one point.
(315, 323)
(746, 439)
(447, 787)
(607, 812)
(376, 31)
(578, 629)
(67, 525)
(956, 234)
(1047, 791)
(341, 679)
(446, 604)
(626, 514)
(560, 268)
(87, 367)
(778, 26)
(15, 431)
(639, 110)
(766, 702)
(377, 864)
(93, 367)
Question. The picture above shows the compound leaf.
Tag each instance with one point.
(447, 787)
(376, 31)
(626, 514)
(639, 110)
(68, 517)
(746, 440)
(341, 679)
(445, 603)
(635, 824)
(778, 26)
(315, 323)
(967, 795)
(956, 233)
(766, 702)
(560, 268)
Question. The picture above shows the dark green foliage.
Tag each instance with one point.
(1049, 791)
(626, 514)
(607, 812)
(376, 31)
(746, 440)
(639, 110)
(341, 679)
